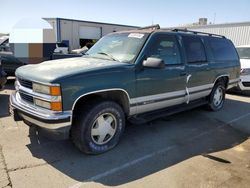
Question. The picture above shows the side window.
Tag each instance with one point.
(166, 48)
(194, 48)
(222, 49)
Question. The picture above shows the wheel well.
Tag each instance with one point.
(118, 96)
(224, 79)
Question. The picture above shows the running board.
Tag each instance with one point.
(149, 116)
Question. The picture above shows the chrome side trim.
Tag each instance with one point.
(99, 91)
(200, 88)
(158, 101)
(157, 97)
(199, 95)
(159, 105)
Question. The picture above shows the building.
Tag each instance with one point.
(77, 33)
(239, 33)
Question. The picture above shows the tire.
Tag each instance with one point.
(96, 120)
(217, 97)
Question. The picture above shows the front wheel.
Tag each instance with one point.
(98, 127)
(217, 97)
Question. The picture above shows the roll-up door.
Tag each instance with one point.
(86, 32)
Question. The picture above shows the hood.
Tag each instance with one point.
(49, 71)
(245, 63)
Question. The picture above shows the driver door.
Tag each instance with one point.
(158, 88)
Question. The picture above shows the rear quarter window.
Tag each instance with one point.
(222, 49)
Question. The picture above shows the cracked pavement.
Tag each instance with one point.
(191, 149)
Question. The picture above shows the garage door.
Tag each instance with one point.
(89, 32)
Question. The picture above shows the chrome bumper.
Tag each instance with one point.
(40, 117)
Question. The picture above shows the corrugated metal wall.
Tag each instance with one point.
(69, 29)
(240, 35)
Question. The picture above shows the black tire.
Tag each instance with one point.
(215, 106)
(81, 130)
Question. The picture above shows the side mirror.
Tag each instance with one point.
(153, 62)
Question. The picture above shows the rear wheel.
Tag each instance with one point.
(98, 127)
(217, 97)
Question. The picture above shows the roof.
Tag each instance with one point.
(66, 19)
(243, 46)
(235, 24)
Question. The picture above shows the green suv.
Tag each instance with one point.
(134, 75)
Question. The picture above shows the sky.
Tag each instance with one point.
(128, 12)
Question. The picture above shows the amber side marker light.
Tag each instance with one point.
(56, 106)
(55, 91)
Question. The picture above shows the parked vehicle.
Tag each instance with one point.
(3, 78)
(137, 75)
(244, 53)
(10, 63)
(4, 43)
(82, 50)
(61, 48)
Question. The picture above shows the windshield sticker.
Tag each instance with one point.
(136, 35)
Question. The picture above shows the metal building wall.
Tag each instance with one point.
(53, 23)
(67, 29)
(238, 33)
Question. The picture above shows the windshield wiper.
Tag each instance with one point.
(110, 56)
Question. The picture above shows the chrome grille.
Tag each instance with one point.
(246, 84)
(25, 83)
(26, 98)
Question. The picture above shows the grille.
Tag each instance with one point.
(26, 98)
(25, 83)
(246, 84)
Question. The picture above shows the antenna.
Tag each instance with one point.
(214, 18)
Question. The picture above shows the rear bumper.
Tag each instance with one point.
(56, 124)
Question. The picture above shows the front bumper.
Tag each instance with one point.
(55, 123)
(244, 84)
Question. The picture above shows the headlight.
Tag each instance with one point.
(44, 89)
(245, 72)
(55, 106)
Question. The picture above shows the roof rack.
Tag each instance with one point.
(197, 32)
(154, 27)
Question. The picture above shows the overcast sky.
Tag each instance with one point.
(128, 12)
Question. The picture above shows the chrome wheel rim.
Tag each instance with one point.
(218, 96)
(103, 128)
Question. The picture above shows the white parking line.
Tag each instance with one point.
(238, 118)
(136, 161)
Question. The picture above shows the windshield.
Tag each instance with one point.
(122, 47)
(244, 53)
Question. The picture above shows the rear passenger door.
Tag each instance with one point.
(199, 78)
(159, 88)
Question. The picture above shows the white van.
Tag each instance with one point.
(244, 54)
